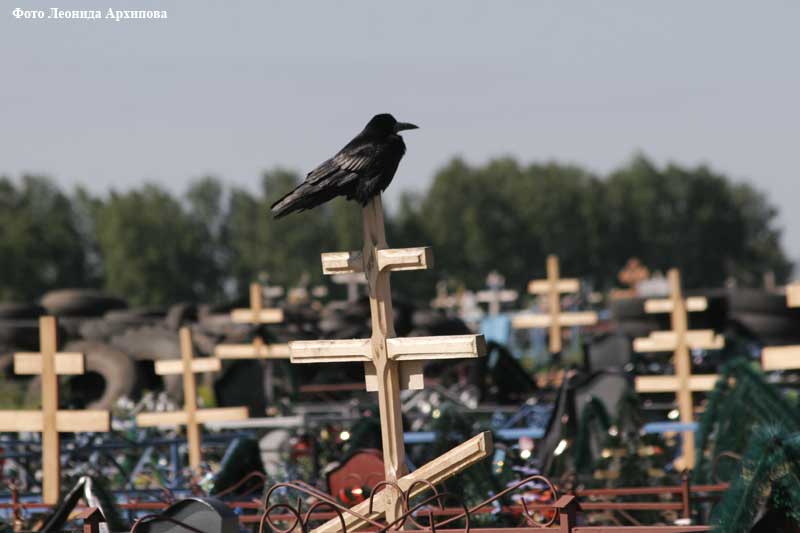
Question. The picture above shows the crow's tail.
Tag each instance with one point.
(303, 197)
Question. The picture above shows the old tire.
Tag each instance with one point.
(108, 375)
(80, 302)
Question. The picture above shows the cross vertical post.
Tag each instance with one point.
(553, 303)
(51, 463)
(683, 365)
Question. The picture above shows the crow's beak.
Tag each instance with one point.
(400, 126)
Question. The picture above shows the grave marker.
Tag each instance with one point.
(50, 421)
(679, 340)
(553, 287)
(190, 416)
(390, 363)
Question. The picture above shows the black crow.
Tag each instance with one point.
(361, 170)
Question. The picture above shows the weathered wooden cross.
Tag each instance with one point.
(553, 287)
(50, 421)
(496, 294)
(190, 416)
(679, 341)
(390, 363)
(784, 357)
(256, 314)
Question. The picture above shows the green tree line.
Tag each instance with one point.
(154, 247)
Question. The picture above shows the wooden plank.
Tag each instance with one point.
(389, 259)
(190, 398)
(399, 259)
(167, 367)
(554, 304)
(330, 351)
(67, 363)
(265, 316)
(780, 357)
(180, 418)
(696, 383)
(252, 351)
(667, 341)
(76, 421)
(16, 421)
(578, 318)
(166, 419)
(440, 469)
(665, 305)
(412, 376)
(221, 414)
(51, 457)
(530, 321)
(441, 347)
(793, 294)
(542, 286)
(342, 262)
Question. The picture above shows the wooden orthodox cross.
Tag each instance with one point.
(679, 341)
(190, 416)
(495, 294)
(50, 421)
(784, 357)
(256, 314)
(390, 363)
(553, 287)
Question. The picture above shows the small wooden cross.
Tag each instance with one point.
(444, 300)
(390, 363)
(191, 416)
(352, 280)
(495, 294)
(554, 319)
(784, 357)
(256, 314)
(679, 341)
(50, 421)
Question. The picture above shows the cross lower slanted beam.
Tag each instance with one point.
(50, 421)
(553, 287)
(390, 363)
(191, 416)
(440, 469)
(679, 340)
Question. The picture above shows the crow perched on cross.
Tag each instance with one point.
(361, 170)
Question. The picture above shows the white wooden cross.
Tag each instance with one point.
(784, 357)
(190, 416)
(679, 341)
(50, 421)
(256, 314)
(444, 300)
(495, 294)
(352, 280)
(390, 363)
(554, 319)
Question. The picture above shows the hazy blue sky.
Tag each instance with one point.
(233, 88)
